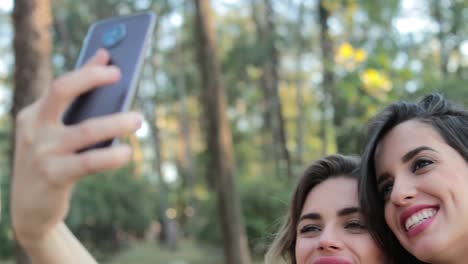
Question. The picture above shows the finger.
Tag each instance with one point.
(68, 87)
(70, 168)
(99, 129)
(101, 57)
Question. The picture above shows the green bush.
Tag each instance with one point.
(107, 209)
(264, 204)
(6, 232)
(206, 226)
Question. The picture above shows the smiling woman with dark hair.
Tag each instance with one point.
(324, 224)
(415, 180)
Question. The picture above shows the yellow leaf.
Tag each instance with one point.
(345, 51)
(371, 77)
(375, 83)
(360, 55)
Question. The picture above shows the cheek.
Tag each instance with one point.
(304, 248)
(457, 184)
(390, 215)
(366, 250)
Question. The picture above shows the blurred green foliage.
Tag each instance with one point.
(109, 209)
(6, 232)
(265, 201)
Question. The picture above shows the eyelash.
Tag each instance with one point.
(354, 225)
(386, 189)
(420, 163)
(309, 228)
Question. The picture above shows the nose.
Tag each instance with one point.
(404, 190)
(330, 241)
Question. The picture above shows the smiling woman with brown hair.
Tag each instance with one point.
(324, 223)
(415, 180)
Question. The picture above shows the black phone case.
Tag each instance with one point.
(128, 54)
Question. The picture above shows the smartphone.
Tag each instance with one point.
(127, 39)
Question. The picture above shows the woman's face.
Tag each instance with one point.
(331, 228)
(424, 183)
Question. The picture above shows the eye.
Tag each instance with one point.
(421, 163)
(386, 189)
(355, 226)
(310, 229)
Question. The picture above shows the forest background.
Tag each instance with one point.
(238, 97)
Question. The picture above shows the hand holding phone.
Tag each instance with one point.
(126, 38)
(48, 161)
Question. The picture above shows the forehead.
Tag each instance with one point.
(403, 138)
(332, 195)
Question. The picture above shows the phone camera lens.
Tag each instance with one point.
(114, 35)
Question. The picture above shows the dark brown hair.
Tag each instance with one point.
(283, 247)
(450, 121)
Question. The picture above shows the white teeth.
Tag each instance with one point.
(419, 217)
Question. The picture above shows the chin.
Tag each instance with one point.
(425, 251)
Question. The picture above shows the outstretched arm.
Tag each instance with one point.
(59, 245)
(47, 163)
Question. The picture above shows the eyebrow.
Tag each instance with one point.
(341, 213)
(311, 216)
(407, 157)
(381, 178)
(348, 211)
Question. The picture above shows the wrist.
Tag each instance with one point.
(57, 246)
(33, 240)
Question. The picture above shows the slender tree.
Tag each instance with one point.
(167, 235)
(273, 115)
(148, 104)
(65, 39)
(328, 77)
(32, 20)
(219, 138)
(301, 119)
(186, 158)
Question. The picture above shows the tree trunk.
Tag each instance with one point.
(185, 151)
(219, 138)
(271, 75)
(168, 236)
(449, 34)
(458, 22)
(328, 78)
(33, 74)
(441, 34)
(300, 120)
(273, 112)
(60, 26)
(269, 153)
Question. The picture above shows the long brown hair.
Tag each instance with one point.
(282, 250)
(450, 121)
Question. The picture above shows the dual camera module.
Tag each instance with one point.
(114, 35)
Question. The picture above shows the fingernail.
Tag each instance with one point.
(100, 52)
(114, 69)
(125, 151)
(138, 119)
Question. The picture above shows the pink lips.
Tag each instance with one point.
(332, 260)
(412, 210)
